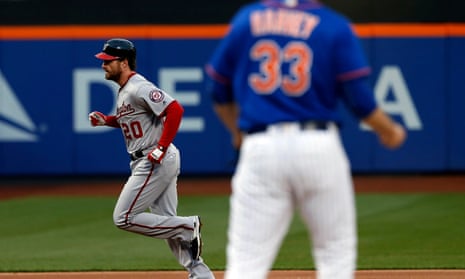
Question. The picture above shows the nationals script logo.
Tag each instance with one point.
(124, 110)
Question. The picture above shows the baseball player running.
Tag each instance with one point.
(149, 119)
(276, 81)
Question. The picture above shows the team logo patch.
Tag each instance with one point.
(157, 96)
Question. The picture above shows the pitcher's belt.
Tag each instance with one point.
(302, 125)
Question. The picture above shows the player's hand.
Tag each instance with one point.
(156, 155)
(395, 138)
(236, 140)
(97, 118)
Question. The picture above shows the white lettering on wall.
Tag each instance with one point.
(168, 78)
(82, 80)
(391, 81)
(15, 123)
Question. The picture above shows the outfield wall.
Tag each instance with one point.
(50, 81)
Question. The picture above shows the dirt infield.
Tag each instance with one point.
(12, 188)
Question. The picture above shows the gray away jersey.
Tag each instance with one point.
(139, 106)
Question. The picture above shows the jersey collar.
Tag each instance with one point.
(129, 77)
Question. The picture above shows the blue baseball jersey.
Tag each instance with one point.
(289, 62)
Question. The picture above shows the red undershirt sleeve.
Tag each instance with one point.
(173, 115)
(111, 121)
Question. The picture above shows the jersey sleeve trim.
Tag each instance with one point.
(362, 72)
(359, 97)
(215, 75)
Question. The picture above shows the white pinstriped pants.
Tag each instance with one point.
(282, 170)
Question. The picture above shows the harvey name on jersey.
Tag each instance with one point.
(283, 22)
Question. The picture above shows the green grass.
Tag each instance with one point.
(77, 233)
(412, 231)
